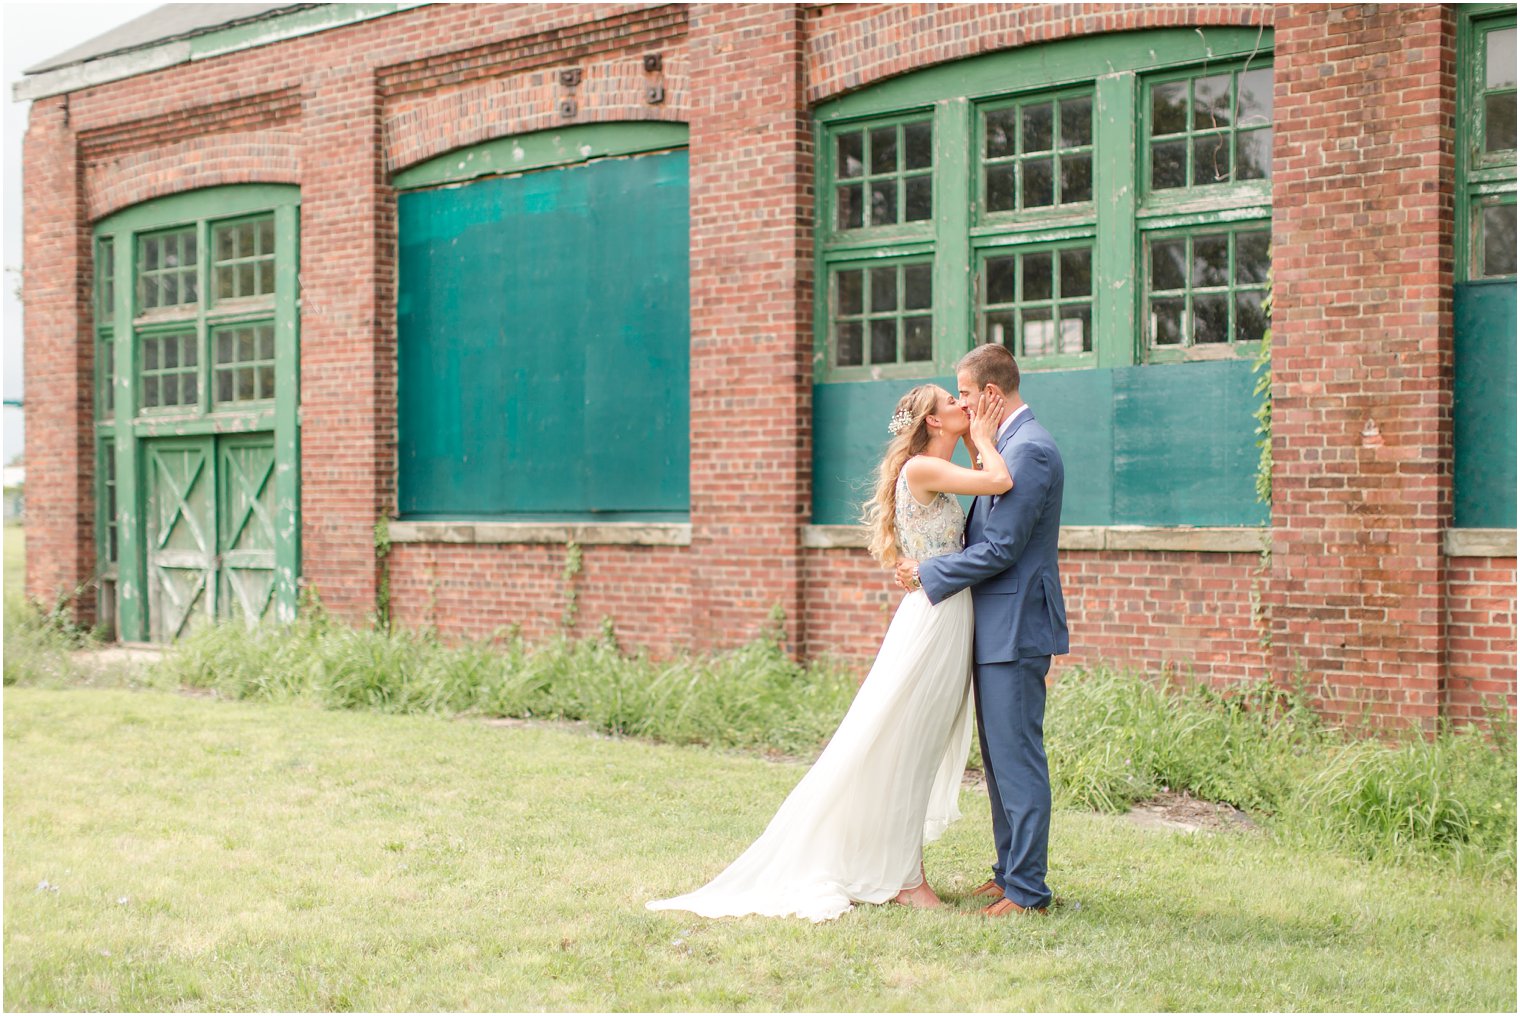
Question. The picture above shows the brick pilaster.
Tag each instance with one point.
(59, 362)
(751, 342)
(1362, 247)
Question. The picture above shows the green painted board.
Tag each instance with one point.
(1161, 445)
(1483, 407)
(544, 332)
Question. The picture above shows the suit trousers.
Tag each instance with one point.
(1010, 722)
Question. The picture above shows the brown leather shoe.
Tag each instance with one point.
(989, 888)
(1005, 906)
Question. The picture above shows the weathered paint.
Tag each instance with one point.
(1142, 446)
(1483, 404)
(543, 344)
(522, 153)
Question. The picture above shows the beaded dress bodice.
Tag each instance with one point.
(928, 530)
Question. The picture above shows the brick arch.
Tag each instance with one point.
(852, 46)
(609, 93)
(119, 181)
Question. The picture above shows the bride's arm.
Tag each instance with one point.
(931, 473)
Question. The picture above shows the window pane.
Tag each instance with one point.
(171, 352)
(999, 188)
(187, 247)
(266, 236)
(1255, 99)
(1499, 240)
(188, 391)
(999, 328)
(884, 150)
(1254, 155)
(848, 345)
(224, 282)
(883, 202)
(918, 286)
(188, 288)
(187, 351)
(1168, 258)
(1037, 276)
(918, 145)
(848, 215)
(1211, 102)
(884, 340)
(224, 386)
(847, 286)
(918, 199)
(1076, 178)
(1211, 159)
(1076, 122)
(883, 290)
(266, 382)
(1039, 184)
(246, 285)
(245, 345)
(150, 354)
(1211, 319)
(918, 338)
(1076, 272)
(1039, 332)
(245, 385)
(225, 244)
(168, 290)
(1000, 133)
(850, 158)
(1499, 122)
(1169, 108)
(224, 347)
(150, 254)
(150, 391)
(266, 277)
(1038, 128)
(1250, 320)
(1075, 332)
(1501, 59)
(1252, 257)
(266, 342)
(1166, 322)
(1211, 260)
(1000, 280)
(1169, 165)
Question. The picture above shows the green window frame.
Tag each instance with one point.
(245, 364)
(1486, 223)
(168, 274)
(1036, 154)
(883, 174)
(169, 378)
(997, 142)
(883, 313)
(1209, 127)
(105, 299)
(1037, 300)
(243, 259)
(1205, 287)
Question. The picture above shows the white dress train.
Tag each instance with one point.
(889, 781)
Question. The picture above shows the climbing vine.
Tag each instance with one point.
(383, 587)
(1262, 368)
(571, 590)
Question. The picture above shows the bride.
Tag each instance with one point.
(853, 830)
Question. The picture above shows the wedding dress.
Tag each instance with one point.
(889, 780)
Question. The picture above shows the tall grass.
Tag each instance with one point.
(1113, 738)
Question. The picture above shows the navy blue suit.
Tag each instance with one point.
(1009, 564)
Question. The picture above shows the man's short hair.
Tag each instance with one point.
(991, 364)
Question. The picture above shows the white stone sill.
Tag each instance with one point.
(1478, 543)
(644, 534)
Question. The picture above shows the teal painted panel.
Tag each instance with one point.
(1160, 445)
(543, 344)
(1185, 445)
(1483, 407)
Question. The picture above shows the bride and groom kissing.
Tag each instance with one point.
(970, 642)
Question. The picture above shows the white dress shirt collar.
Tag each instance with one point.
(1009, 422)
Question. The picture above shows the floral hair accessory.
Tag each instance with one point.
(901, 421)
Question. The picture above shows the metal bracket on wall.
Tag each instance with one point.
(654, 94)
(567, 108)
(653, 62)
(570, 78)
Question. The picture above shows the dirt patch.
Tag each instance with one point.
(1185, 813)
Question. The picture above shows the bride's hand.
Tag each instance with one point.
(986, 413)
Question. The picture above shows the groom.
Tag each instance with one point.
(1010, 565)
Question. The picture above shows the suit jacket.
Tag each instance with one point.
(1009, 561)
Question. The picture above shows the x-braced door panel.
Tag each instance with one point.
(245, 523)
(181, 535)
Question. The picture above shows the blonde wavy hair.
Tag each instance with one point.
(879, 515)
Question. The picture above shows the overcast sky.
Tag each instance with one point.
(32, 32)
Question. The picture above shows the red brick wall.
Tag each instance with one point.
(469, 591)
(1480, 637)
(1362, 255)
(751, 328)
(59, 362)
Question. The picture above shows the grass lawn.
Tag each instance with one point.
(15, 559)
(167, 852)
